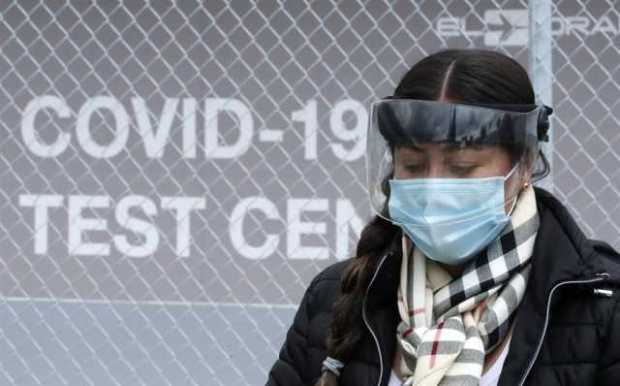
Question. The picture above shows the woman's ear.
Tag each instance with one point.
(526, 171)
(520, 180)
(525, 175)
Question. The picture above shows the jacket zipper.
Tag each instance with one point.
(600, 277)
(365, 318)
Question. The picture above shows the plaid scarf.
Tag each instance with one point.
(448, 324)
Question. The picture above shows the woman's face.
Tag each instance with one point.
(450, 161)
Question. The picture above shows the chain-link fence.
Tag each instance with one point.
(173, 174)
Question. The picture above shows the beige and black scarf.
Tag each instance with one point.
(448, 324)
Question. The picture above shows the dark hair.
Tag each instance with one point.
(467, 76)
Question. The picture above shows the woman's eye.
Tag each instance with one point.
(463, 170)
(412, 168)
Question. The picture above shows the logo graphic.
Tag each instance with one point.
(512, 31)
(510, 27)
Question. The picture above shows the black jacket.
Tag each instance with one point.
(566, 332)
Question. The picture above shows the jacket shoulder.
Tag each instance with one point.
(608, 370)
(609, 258)
(325, 286)
(304, 349)
(331, 272)
(606, 250)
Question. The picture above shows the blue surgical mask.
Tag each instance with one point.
(449, 219)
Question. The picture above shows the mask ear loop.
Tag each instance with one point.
(514, 205)
(514, 201)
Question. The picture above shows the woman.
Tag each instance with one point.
(467, 275)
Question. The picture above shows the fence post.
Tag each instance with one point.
(540, 65)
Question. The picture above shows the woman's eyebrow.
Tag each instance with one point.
(409, 150)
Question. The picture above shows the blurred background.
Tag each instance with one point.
(172, 175)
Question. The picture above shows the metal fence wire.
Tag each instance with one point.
(172, 175)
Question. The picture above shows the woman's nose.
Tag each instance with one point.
(435, 170)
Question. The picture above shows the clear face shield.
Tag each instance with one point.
(429, 141)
